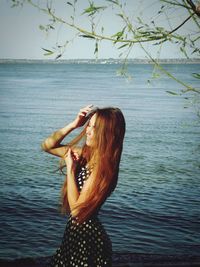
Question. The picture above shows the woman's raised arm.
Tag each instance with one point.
(52, 144)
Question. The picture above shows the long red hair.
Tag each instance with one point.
(103, 158)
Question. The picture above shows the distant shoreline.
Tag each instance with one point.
(99, 61)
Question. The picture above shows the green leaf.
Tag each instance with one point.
(123, 45)
(120, 15)
(195, 50)
(139, 20)
(144, 33)
(41, 27)
(96, 48)
(87, 36)
(114, 2)
(184, 51)
(69, 3)
(172, 93)
(160, 29)
(91, 10)
(48, 51)
(58, 56)
(48, 54)
(130, 27)
(196, 75)
(119, 34)
(155, 75)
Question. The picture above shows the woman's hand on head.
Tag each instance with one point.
(81, 118)
(71, 160)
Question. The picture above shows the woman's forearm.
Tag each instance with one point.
(56, 137)
(72, 190)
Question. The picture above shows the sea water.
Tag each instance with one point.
(155, 207)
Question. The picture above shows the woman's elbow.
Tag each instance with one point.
(43, 147)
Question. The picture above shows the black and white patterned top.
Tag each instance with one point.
(86, 244)
(82, 176)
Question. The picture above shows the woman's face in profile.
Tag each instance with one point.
(90, 130)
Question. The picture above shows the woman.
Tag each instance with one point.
(92, 173)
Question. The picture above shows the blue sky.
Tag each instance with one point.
(22, 38)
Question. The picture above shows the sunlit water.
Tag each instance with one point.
(155, 207)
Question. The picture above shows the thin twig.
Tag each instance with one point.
(178, 27)
(194, 7)
(191, 4)
(175, 4)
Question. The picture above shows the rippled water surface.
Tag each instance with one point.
(155, 207)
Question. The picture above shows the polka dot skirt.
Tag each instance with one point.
(86, 244)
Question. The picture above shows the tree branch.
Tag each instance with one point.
(89, 34)
(175, 4)
(189, 88)
(191, 4)
(195, 8)
(178, 27)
